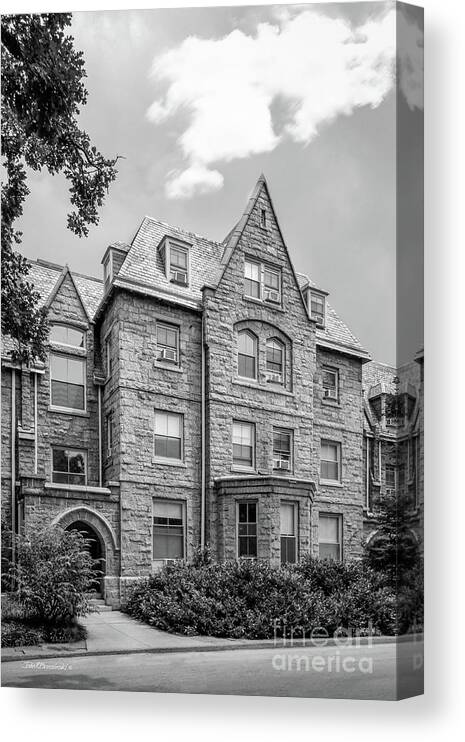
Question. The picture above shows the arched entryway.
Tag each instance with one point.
(95, 548)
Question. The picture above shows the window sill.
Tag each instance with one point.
(330, 483)
(77, 488)
(66, 411)
(331, 402)
(267, 387)
(262, 303)
(169, 462)
(243, 470)
(169, 367)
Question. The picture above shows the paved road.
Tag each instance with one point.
(360, 672)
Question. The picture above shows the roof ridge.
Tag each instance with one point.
(184, 231)
(57, 267)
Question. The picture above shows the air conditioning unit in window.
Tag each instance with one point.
(319, 319)
(330, 393)
(272, 295)
(167, 354)
(170, 562)
(281, 464)
(273, 378)
(179, 277)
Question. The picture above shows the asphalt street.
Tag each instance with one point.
(328, 672)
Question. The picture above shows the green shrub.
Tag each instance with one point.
(253, 600)
(53, 573)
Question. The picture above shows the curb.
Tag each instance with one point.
(262, 644)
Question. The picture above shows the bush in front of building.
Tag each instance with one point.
(52, 574)
(253, 600)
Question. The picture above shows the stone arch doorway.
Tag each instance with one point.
(96, 549)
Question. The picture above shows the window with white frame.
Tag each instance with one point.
(168, 529)
(167, 342)
(317, 307)
(109, 427)
(179, 264)
(252, 279)
(69, 466)
(330, 461)
(288, 520)
(330, 536)
(246, 516)
(67, 335)
(168, 436)
(282, 449)
(274, 361)
(247, 354)
(243, 445)
(262, 282)
(67, 382)
(331, 383)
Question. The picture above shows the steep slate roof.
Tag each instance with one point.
(143, 271)
(335, 330)
(143, 264)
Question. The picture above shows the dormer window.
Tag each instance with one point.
(317, 308)
(179, 264)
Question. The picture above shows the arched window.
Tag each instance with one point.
(247, 355)
(274, 361)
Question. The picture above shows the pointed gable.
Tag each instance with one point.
(258, 235)
(65, 301)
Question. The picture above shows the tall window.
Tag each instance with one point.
(246, 355)
(282, 449)
(65, 335)
(288, 516)
(67, 382)
(247, 529)
(179, 265)
(330, 463)
(167, 342)
(244, 445)
(168, 529)
(252, 273)
(391, 478)
(68, 466)
(331, 384)
(329, 536)
(317, 307)
(168, 435)
(263, 218)
(274, 361)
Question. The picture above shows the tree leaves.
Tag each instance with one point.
(42, 93)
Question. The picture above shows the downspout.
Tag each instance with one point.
(99, 394)
(36, 446)
(13, 465)
(367, 496)
(203, 447)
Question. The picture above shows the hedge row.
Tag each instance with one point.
(249, 599)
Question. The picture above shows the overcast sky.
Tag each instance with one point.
(201, 101)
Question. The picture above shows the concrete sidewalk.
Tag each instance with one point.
(113, 632)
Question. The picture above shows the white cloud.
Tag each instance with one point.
(316, 66)
(196, 179)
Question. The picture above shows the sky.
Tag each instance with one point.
(199, 102)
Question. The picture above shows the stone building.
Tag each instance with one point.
(202, 392)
